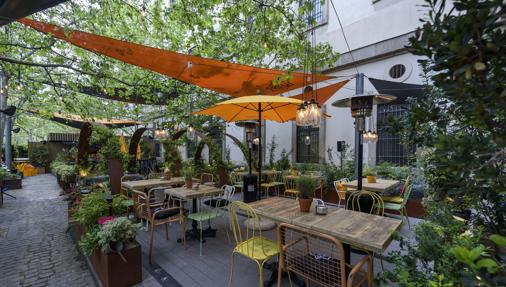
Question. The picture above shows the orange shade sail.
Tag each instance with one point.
(323, 94)
(232, 79)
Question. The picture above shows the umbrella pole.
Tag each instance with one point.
(260, 151)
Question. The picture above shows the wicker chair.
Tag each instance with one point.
(206, 177)
(319, 258)
(160, 212)
(130, 177)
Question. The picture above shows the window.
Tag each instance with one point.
(397, 71)
(191, 146)
(389, 147)
(308, 153)
(318, 13)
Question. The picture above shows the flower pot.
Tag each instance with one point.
(111, 270)
(305, 204)
(294, 172)
(188, 183)
(371, 179)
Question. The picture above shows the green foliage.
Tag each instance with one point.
(172, 153)
(5, 174)
(39, 156)
(272, 151)
(368, 172)
(63, 169)
(306, 186)
(188, 170)
(390, 171)
(461, 125)
(283, 163)
(19, 151)
(95, 205)
(120, 229)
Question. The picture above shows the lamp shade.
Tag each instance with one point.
(10, 111)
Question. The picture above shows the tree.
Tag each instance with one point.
(461, 127)
(55, 76)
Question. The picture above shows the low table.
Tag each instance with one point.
(192, 194)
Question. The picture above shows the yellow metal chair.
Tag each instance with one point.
(341, 191)
(291, 186)
(377, 206)
(249, 242)
(268, 184)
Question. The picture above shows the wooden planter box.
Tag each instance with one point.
(112, 271)
(415, 208)
(13, 183)
(77, 231)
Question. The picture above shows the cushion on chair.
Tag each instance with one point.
(166, 214)
(393, 199)
(217, 202)
(204, 215)
(392, 206)
(258, 247)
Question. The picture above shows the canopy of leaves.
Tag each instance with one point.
(48, 74)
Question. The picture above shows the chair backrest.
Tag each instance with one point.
(290, 182)
(406, 194)
(312, 255)
(341, 192)
(228, 192)
(132, 177)
(206, 177)
(377, 206)
(405, 185)
(251, 228)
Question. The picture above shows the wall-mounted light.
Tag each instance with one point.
(9, 111)
(190, 132)
(307, 140)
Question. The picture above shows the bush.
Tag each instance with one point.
(39, 156)
(120, 229)
(306, 186)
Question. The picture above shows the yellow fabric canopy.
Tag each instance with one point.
(273, 108)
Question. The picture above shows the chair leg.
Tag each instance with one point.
(260, 273)
(151, 237)
(200, 250)
(231, 269)
(407, 217)
(280, 273)
(166, 231)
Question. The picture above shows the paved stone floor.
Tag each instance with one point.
(35, 249)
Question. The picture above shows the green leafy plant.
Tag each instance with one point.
(6, 175)
(188, 172)
(39, 156)
(120, 229)
(64, 170)
(306, 186)
(368, 172)
(283, 163)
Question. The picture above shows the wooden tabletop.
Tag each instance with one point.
(151, 183)
(186, 193)
(370, 232)
(264, 172)
(381, 185)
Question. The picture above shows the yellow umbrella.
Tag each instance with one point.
(274, 108)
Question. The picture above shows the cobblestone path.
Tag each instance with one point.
(35, 249)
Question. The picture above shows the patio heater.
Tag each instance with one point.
(250, 190)
(361, 106)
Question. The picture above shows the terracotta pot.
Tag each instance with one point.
(371, 179)
(188, 183)
(305, 204)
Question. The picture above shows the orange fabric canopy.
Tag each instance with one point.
(223, 77)
(323, 94)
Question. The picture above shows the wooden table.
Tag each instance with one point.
(141, 185)
(381, 185)
(352, 228)
(187, 194)
(363, 230)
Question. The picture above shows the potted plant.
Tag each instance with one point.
(306, 186)
(111, 153)
(370, 174)
(10, 180)
(188, 173)
(113, 251)
(167, 170)
(293, 171)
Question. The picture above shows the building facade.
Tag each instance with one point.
(377, 33)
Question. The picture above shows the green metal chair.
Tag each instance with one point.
(398, 198)
(206, 212)
(235, 180)
(401, 207)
